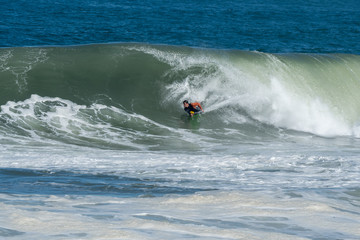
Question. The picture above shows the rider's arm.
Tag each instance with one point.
(196, 104)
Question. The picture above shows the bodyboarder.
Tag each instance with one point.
(192, 108)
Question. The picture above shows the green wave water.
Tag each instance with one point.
(129, 96)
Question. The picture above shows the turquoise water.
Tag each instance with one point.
(95, 144)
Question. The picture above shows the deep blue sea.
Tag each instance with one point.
(94, 142)
(270, 26)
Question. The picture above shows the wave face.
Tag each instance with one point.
(128, 96)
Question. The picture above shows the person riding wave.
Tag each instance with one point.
(192, 108)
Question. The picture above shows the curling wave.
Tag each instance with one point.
(129, 96)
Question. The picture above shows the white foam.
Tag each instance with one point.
(217, 215)
(270, 91)
(47, 119)
(289, 110)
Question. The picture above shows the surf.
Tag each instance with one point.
(129, 96)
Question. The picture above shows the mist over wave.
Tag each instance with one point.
(129, 96)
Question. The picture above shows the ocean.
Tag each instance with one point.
(95, 143)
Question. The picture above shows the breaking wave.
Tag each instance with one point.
(128, 96)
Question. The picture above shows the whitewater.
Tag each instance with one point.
(96, 145)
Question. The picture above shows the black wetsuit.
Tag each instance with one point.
(191, 108)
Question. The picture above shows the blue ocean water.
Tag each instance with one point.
(94, 143)
(272, 26)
